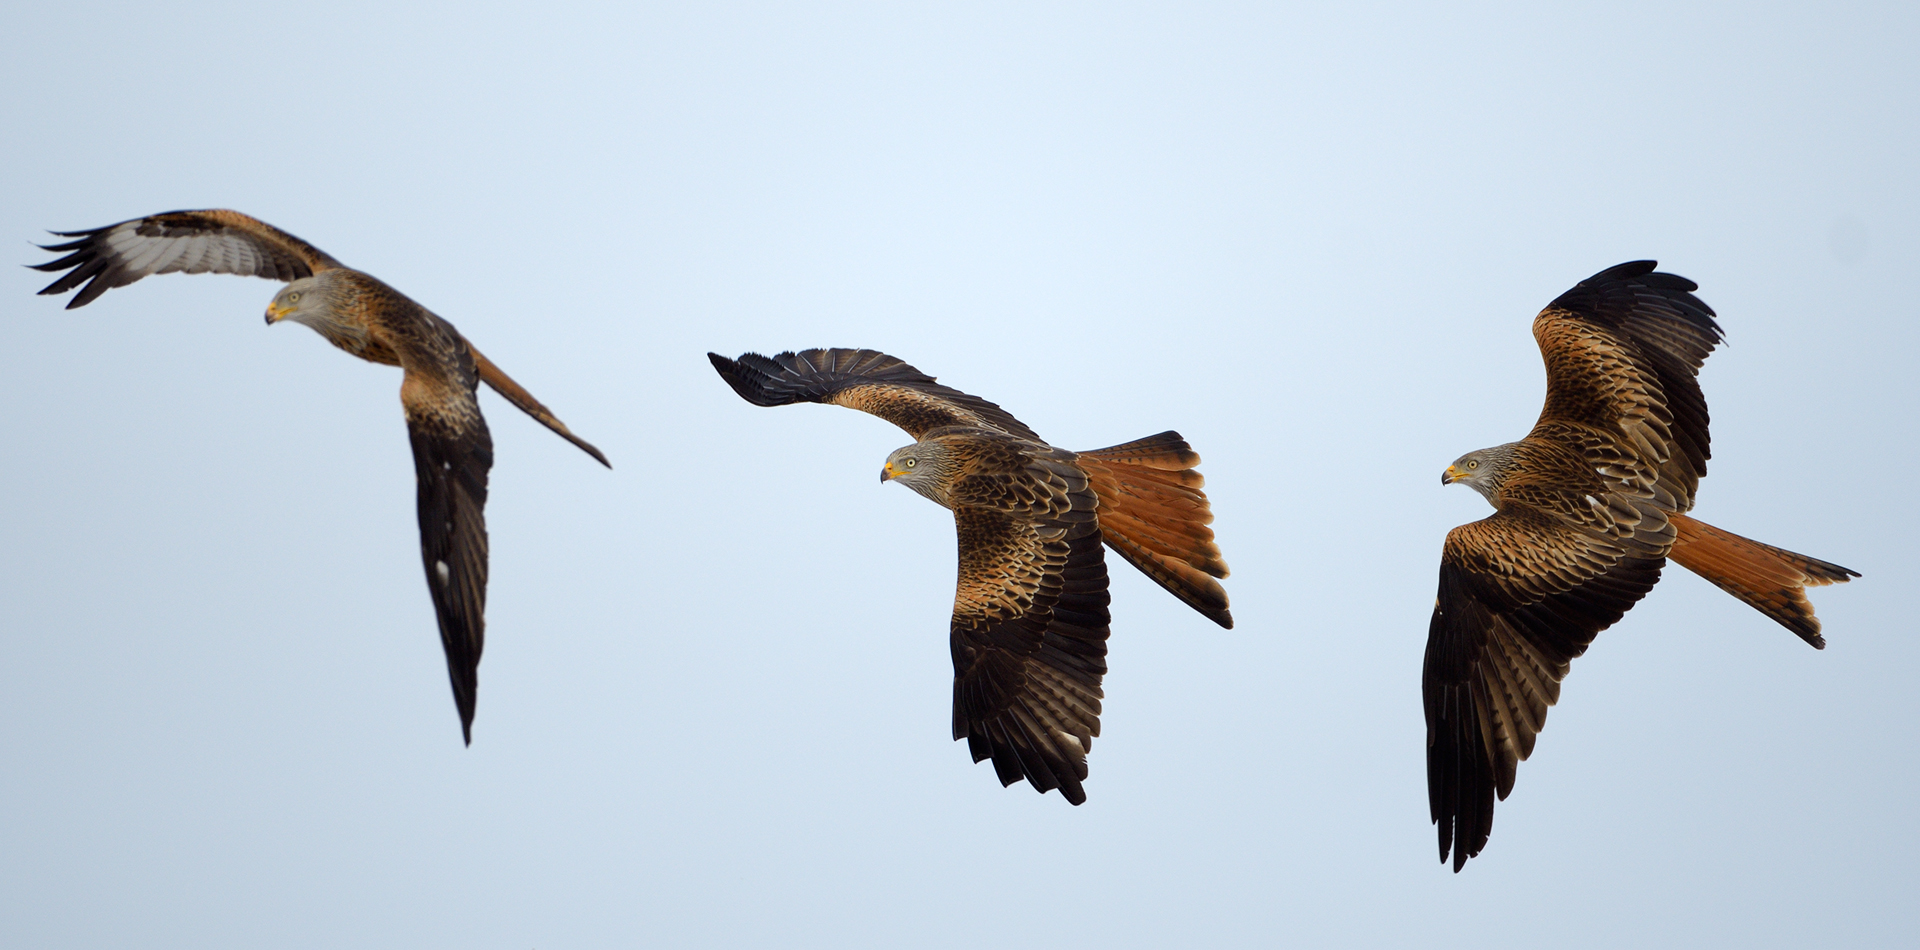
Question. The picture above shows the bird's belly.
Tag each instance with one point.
(373, 351)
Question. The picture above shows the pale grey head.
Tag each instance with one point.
(1483, 470)
(925, 467)
(319, 302)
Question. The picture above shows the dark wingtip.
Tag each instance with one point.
(731, 371)
(749, 382)
(465, 707)
(1677, 290)
(727, 368)
(588, 448)
(1460, 855)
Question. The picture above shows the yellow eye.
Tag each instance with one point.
(909, 463)
(1474, 464)
(293, 297)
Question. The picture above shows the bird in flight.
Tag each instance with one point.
(1587, 509)
(1029, 629)
(452, 449)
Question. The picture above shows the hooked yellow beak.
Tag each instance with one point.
(887, 473)
(276, 313)
(1450, 476)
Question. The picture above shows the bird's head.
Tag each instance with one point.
(296, 300)
(925, 467)
(313, 301)
(1482, 470)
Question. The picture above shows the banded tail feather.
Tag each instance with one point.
(1153, 513)
(1769, 579)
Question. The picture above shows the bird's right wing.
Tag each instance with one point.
(867, 380)
(195, 242)
(452, 454)
(1029, 643)
(1520, 596)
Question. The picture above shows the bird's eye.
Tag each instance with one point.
(1474, 464)
(293, 297)
(909, 463)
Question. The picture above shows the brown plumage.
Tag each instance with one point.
(1030, 620)
(1588, 507)
(452, 449)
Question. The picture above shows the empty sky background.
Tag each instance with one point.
(714, 705)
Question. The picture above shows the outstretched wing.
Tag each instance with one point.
(1623, 349)
(195, 242)
(867, 380)
(1029, 647)
(452, 454)
(1520, 596)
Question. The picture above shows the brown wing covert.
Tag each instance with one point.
(1029, 643)
(1519, 598)
(1623, 350)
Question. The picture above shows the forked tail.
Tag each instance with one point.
(1153, 513)
(1770, 580)
(518, 395)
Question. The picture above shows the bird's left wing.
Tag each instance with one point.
(452, 454)
(1520, 596)
(867, 380)
(1029, 644)
(194, 242)
(1030, 618)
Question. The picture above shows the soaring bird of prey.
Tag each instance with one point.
(1587, 509)
(452, 450)
(1029, 631)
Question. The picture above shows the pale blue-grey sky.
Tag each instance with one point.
(714, 705)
